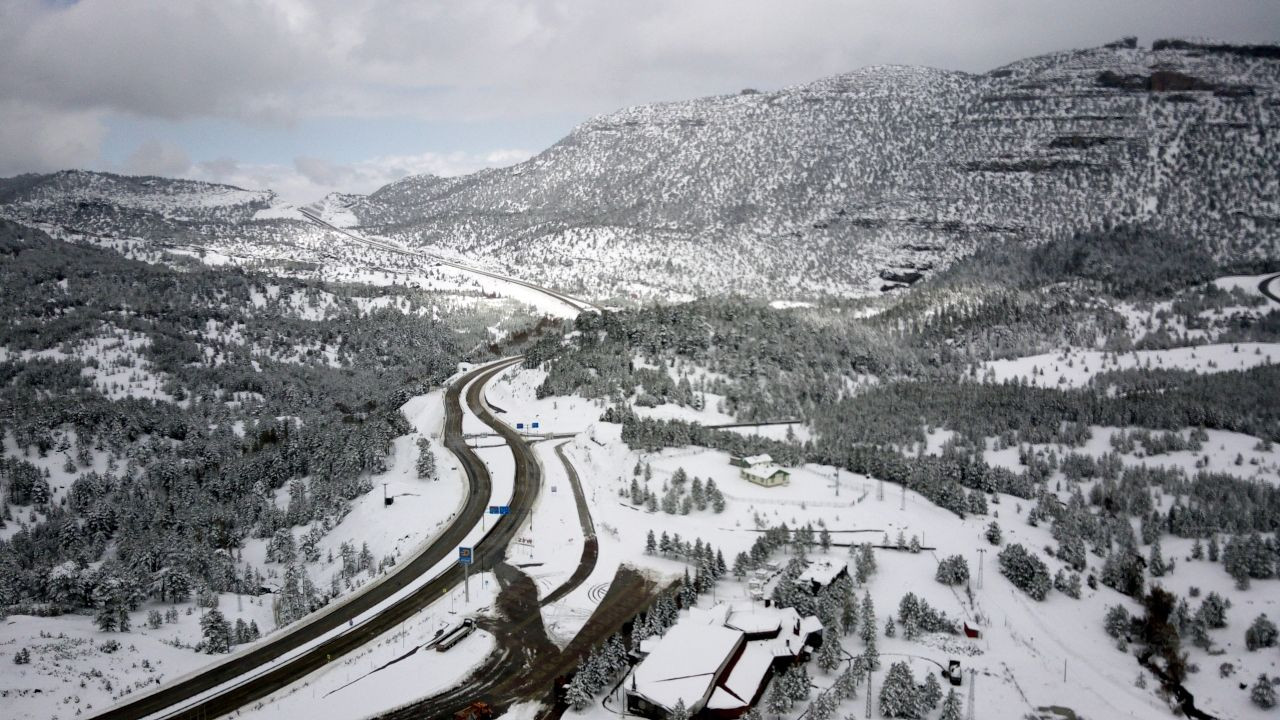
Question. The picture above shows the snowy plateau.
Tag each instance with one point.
(901, 393)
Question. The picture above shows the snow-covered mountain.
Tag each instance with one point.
(848, 184)
(825, 186)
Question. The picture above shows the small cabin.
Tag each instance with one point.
(751, 460)
(765, 475)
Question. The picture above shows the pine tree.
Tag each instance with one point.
(679, 712)
(650, 544)
(931, 693)
(1263, 693)
(575, 693)
(426, 460)
(868, 619)
(830, 653)
(105, 618)
(899, 696)
(993, 533)
(216, 632)
(776, 700)
(822, 708)
(824, 539)
(951, 706)
(890, 630)
(1155, 562)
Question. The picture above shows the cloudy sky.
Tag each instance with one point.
(309, 96)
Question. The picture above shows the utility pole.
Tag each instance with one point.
(880, 490)
(869, 693)
(973, 690)
(982, 555)
(903, 506)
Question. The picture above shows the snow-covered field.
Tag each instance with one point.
(1075, 368)
(1032, 655)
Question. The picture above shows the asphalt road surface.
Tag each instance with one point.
(590, 545)
(1265, 287)
(180, 699)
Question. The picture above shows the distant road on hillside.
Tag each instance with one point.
(573, 302)
(1266, 288)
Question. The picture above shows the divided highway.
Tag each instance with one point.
(197, 696)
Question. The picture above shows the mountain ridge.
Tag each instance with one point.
(863, 181)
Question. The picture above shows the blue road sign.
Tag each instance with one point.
(464, 555)
(519, 426)
(499, 509)
(535, 424)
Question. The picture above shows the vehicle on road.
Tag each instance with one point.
(456, 635)
(475, 711)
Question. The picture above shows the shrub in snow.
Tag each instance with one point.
(1213, 611)
(1025, 570)
(22, 657)
(953, 570)
(993, 533)
(1261, 634)
(1067, 583)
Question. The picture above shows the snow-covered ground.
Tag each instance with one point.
(1026, 647)
(392, 670)
(1222, 449)
(1075, 368)
(70, 673)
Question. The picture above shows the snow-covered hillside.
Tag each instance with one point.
(847, 185)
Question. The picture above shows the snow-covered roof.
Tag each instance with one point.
(683, 664)
(755, 622)
(823, 571)
(744, 678)
(762, 471)
(753, 460)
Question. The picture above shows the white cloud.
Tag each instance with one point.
(63, 68)
(311, 178)
(158, 158)
(36, 139)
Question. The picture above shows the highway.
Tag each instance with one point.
(202, 696)
(573, 302)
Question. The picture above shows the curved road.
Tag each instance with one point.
(490, 549)
(1264, 287)
(590, 544)
(569, 300)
